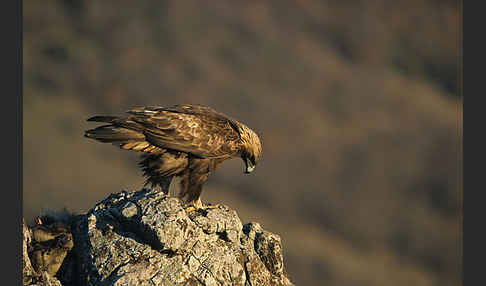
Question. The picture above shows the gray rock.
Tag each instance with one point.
(147, 238)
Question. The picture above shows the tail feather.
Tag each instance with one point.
(118, 122)
(115, 134)
(124, 138)
(107, 119)
(122, 132)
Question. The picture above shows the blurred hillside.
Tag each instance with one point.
(358, 104)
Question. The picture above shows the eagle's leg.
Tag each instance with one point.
(160, 168)
(193, 180)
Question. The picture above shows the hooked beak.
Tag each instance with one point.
(249, 167)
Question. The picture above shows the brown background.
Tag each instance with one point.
(358, 104)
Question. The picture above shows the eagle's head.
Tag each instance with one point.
(251, 148)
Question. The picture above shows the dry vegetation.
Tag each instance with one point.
(358, 105)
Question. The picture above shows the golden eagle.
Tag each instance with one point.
(188, 141)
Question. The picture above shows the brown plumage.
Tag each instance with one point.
(188, 141)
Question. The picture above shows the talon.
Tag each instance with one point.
(195, 207)
(211, 206)
(198, 204)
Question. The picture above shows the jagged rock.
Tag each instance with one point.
(147, 238)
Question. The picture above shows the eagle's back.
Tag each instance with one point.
(194, 129)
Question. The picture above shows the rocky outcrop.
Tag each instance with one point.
(147, 238)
